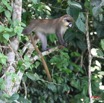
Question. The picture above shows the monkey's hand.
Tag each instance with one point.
(61, 46)
(47, 49)
(64, 44)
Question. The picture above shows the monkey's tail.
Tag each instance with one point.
(42, 59)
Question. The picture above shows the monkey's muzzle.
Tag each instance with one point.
(70, 24)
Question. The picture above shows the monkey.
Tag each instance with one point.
(43, 27)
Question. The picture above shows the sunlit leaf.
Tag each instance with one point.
(32, 76)
(3, 59)
(96, 52)
(75, 4)
(4, 2)
(101, 73)
(74, 12)
(80, 24)
(14, 97)
(1, 9)
(35, 1)
(98, 63)
(96, 11)
(2, 86)
(95, 2)
(102, 43)
(6, 36)
(8, 14)
(52, 87)
(47, 7)
(2, 28)
(37, 63)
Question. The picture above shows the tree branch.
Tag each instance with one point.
(89, 59)
(45, 53)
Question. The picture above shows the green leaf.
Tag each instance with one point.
(102, 43)
(0, 67)
(3, 59)
(20, 62)
(84, 91)
(75, 4)
(75, 54)
(65, 88)
(23, 100)
(9, 7)
(69, 35)
(32, 76)
(8, 14)
(27, 61)
(101, 73)
(2, 84)
(95, 2)
(37, 63)
(52, 38)
(80, 24)
(35, 1)
(4, 2)
(74, 12)
(18, 30)
(48, 8)
(2, 28)
(75, 83)
(96, 11)
(96, 52)
(8, 29)
(6, 36)
(1, 9)
(52, 87)
(81, 45)
(14, 97)
(1, 81)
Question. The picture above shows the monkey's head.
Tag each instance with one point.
(67, 20)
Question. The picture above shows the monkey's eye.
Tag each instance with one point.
(67, 20)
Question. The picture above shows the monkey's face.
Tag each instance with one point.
(68, 21)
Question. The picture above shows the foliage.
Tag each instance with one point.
(68, 66)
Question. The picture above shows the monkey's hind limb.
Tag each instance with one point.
(42, 59)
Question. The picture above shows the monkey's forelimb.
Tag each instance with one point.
(42, 58)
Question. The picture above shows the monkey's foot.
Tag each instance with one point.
(47, 49)
(61, 47)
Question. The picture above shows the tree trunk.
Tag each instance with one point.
(12, 84)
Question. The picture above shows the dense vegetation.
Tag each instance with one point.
(69, 67)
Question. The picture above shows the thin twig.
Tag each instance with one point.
(57, 8)
(25, 88)
(89, 59)
(4, 46)
(45, 53)
(81, 62)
